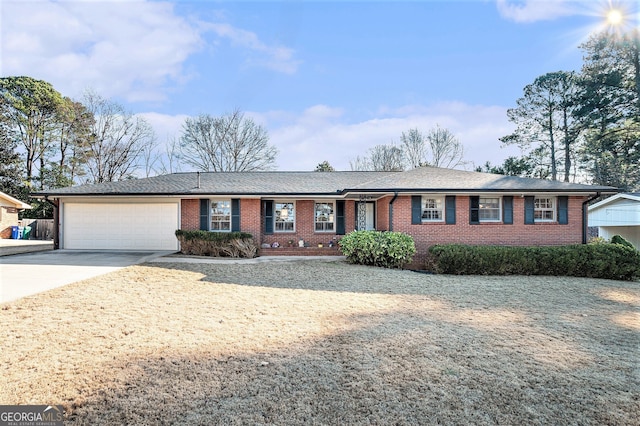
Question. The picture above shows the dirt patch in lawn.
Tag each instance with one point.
(325, 343)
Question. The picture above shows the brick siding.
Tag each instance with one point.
(251, 218)
(190, 215)
(304, 228)
(424, 234)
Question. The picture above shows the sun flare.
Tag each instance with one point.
(614, 17)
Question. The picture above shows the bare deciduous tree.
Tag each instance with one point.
(170, 162)
(230, 143)
(415, 148)
(119, 138)
(360, 164)
(381, 158)
(151, 160)
(446, 149)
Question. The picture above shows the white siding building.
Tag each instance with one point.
(618, 215)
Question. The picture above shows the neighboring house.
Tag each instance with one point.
(618, 215)
(9, 208)
(433, 205)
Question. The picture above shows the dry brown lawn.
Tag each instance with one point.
(325, 343)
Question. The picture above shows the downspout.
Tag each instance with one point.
(395, 195)
(585, 223)
(56, 221)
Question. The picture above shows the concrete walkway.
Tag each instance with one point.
(236, 261)
(9, 247)
(26, 274)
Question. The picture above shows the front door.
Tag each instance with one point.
(368, 216)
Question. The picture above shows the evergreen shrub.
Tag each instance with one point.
(610, 261)
(378, 248)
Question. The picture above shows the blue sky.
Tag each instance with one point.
(328, 80)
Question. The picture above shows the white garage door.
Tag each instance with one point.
(120, 226)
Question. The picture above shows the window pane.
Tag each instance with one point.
(220, 215)
(324, 217)
(432, 209)
(284, 216)
(489, 209)
(544, 209)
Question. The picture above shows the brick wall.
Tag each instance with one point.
(190, 214)
(382, 214)
(518, 234)
(425, 234)
(251, 218)
(305, 227)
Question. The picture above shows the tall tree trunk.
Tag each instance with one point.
(567, 145)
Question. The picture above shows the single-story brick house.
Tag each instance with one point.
(618, 215)
(9, 208)
(433, 205)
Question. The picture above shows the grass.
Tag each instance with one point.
(325, 343)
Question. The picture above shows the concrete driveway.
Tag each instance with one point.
(26, 274)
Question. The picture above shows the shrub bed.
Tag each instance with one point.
(217, 244)
(377, 248)
(610, 261)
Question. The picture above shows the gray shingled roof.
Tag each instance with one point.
(323, 183)
(312, 183)
(437, 179)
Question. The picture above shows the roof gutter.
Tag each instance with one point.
(395, 195)
(585, 218)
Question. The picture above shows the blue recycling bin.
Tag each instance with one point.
(20, 231)
(15, 232)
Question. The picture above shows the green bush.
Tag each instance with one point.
(217, 244)
(610, 261)
(617, 239)
(376, 248)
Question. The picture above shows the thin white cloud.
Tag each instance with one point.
(276, 58)
(536, 10)
(133, 49)
(166, 127)
(324, 133)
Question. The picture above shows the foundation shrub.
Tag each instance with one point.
(217, 244)
(377, 248)
(617, 239)
(610, 261)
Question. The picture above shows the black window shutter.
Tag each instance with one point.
(204, 215)
(340, 217)
(563, 210)
(450, 209)
(268, 216)
(235, 215)
(474, 210)
(416, 209)
(528, 210)
(507, 210)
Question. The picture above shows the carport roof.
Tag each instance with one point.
(424, 179)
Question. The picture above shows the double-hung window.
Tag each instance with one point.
(285, 216)
(220, 215)
(544, 209)
(489, 209)
(324, 217)
(432, 209)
